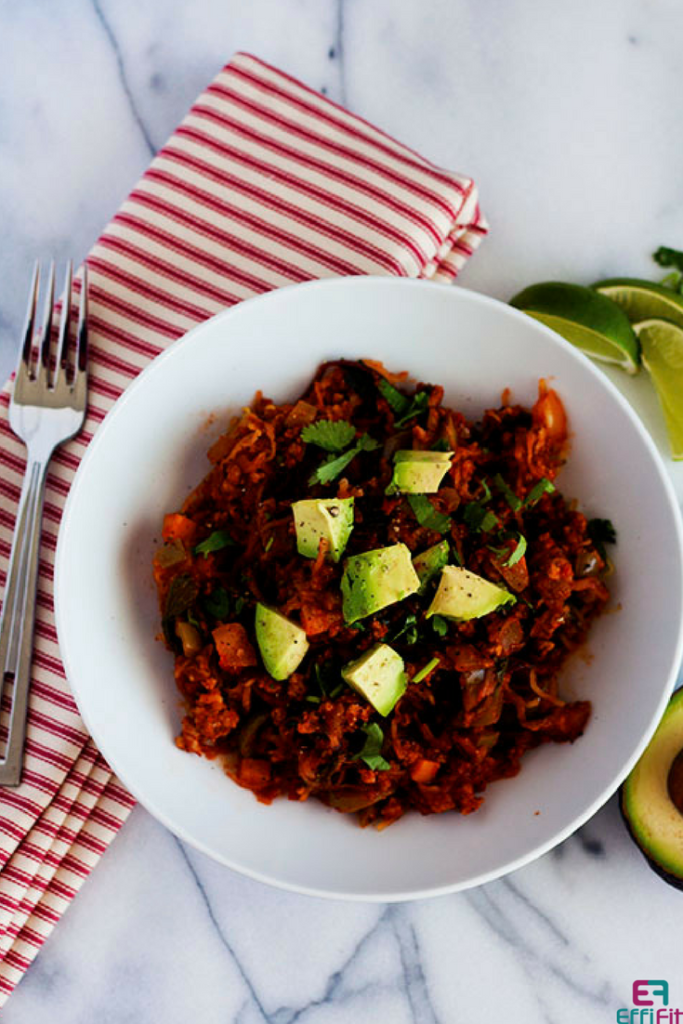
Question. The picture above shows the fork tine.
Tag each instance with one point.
(82, 336)
(27, 344)
(63, 343)
(44, 360)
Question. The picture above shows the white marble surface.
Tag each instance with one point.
(568, 116)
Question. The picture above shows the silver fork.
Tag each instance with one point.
(46, 409)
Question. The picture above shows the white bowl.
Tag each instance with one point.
(152, 449)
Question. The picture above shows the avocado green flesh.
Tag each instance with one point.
(418, 472)
(379, 676)
(375, 579)
(329, 519)
(655, 823)
(283, 644)
(462, 595)
(430, 562)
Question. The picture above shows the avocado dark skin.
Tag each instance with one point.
(651, 798)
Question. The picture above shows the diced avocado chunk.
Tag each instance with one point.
(379, 676)
(330, 519)
(419, 472)
(463, 595)
(428, 563)
(375, 579)
(282, 643)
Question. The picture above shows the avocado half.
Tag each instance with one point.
(652, 797)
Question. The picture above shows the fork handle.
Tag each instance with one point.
(18, 612)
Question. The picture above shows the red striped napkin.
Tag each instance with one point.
(263, 184)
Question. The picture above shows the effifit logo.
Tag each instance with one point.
(650, 1005)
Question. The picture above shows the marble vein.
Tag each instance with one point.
(570, 969)
(219, 930)
(123, 78)
(334, 988)
(415, 982)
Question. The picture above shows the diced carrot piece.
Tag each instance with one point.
(234, 649)
(179, 527)
(424, 770)
(254, 772)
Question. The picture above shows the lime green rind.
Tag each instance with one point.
(588, 320)
(662, 347)
(641, 300)
(594, 344)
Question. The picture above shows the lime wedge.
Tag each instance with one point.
(662, 349)
(642, 300)
(588, 320)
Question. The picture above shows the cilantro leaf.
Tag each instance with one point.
(216, 541)
(371, 752)
(269, 543)
(407, 631)
(479, 518)
(517, 554)
(418, 404)
(425, 670)
(396, 399)
(332, 435)
(439, 625)
(442, 445)
(336, 464)
(427, 515)
(544, 486)
(513, 501)
(667, 257)
(217, 603)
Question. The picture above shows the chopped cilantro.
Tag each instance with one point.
(217, 603)
(396, 399)
(425, 670)
(520, 549)
(439, 625)
(513, 501)
(269, 543)
(336, 464)
(312, 698)
(360, 626)
(667, 257)
(193, 620)
(487, 491)
(407, 631)
(441, 445)
(479, 518)
(331, 435)
(404, 408)
(371, 752)
(418, 404)
(216, 541)
(427, 515)
(544, 486)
